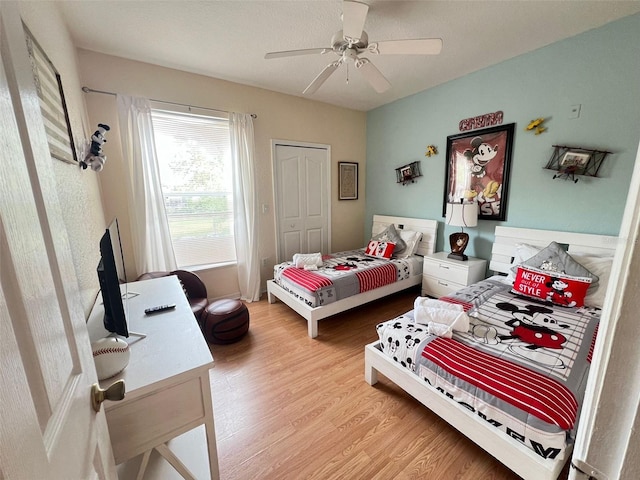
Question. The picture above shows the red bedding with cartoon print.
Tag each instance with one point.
(342, 275)
(522, 366)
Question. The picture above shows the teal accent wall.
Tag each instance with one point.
(599, 70)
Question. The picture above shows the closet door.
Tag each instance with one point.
(302, 184)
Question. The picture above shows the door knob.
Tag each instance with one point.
(114, 392)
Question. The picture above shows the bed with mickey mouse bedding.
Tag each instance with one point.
(317, 286)
(506, 360)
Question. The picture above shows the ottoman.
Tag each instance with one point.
(225, 321)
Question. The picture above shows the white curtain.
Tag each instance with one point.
(149, 228)
(245, 205)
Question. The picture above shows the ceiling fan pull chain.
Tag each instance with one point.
(347, 74)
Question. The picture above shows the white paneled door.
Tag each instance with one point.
(48, 428)
(303, 188)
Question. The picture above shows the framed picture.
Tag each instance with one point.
(575, 159)
(406, 172)
(478, 170)
(347, 181)
(52, 102)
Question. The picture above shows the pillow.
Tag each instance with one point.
(523, 252)
(379, 249)
(557, 288)
(412, 240)
(553, 258)
(390, 234)
(301, 260)
(600, 266)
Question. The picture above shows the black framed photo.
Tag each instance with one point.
(478, 164)
(347, 181)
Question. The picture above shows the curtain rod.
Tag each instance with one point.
(91, 90)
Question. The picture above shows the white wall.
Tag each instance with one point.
(279, 117)
(78, 190)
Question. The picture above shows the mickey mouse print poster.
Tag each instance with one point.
(478, 170)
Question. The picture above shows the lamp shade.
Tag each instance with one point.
(462, 214)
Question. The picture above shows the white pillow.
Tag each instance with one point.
(600, 266)
(412, 240)
(523, 253)
(301, 260)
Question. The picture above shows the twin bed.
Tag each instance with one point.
(522, 325)
(354, 269)
(513, 381)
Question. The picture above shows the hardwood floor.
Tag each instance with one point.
(290, 407)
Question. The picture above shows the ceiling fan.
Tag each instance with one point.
(352, 41)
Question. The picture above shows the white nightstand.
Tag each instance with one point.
(442, 275)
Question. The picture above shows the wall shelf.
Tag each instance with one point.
(570, 162)
(408, 173)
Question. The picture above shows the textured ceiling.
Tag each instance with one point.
(228, 39)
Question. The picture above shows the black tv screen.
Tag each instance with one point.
(115, 319)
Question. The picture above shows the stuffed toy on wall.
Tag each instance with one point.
(95, 158)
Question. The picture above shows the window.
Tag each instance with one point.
(194, 157)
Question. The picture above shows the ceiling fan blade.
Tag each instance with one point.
(354, 15)
(372, 75)
(293, 53)
(417, 46)
(321, 78)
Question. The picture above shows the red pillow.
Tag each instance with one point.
(557, 288)
(380, 249)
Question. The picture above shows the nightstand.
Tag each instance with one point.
(442, 275)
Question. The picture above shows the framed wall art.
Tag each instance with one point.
(575, 159)
(52, 103)
(408, 173)
(347, 181)
(478, 165)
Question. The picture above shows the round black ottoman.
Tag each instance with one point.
(225, 321)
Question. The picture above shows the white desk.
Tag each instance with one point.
(168, 391)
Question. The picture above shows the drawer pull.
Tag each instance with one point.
(446, 267)
(443, 283)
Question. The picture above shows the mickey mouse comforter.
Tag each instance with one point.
(342, 275)
(522, 366)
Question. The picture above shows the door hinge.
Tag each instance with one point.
(587, 471)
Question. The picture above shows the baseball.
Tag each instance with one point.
(111, 356)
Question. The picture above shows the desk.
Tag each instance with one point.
(168, 391)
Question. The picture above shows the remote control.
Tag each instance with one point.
(159, 308)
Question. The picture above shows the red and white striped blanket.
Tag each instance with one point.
(522, 366)
(342, 275)
(368, 279)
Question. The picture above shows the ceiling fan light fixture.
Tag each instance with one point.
(353, 40)
(350, 55)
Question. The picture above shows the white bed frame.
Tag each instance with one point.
(429, 229)
(520, 459)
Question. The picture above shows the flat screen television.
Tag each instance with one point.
(110, 274)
